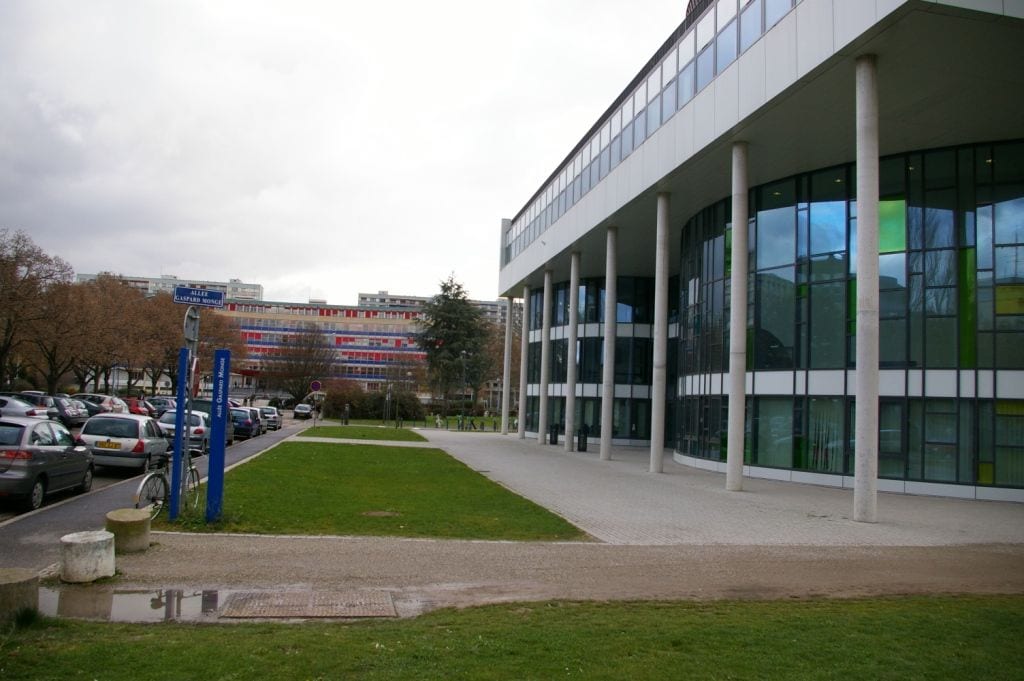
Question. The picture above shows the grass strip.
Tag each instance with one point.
(941, 638)
(349, 489)
(364, 433)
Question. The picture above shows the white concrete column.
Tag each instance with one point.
(865, 481)
(738, 321)
(570, 370)
(506, 370)
(610, 328)
(545, 359)
(524, 351)
(660, 335)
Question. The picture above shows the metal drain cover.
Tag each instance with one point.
(257, 604)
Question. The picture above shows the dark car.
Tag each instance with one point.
(124, 441)
(244, 425)
(69, 413)
(303, 411)
(38, 457)
(162, 404)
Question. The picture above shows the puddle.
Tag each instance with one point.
(117, 605)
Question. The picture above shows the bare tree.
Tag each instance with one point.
(53, 335)
(303, 355)
(25, 272)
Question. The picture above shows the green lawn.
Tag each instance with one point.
(942, 639)
(365, 432)
(348, 489)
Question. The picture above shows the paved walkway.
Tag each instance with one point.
(620, 502)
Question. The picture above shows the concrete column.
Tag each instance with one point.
(506, 371)
(545, 359)
(660, 335)
(865, 481)
(524, 351)
(610, 327)
(570, 371)
(738, 321)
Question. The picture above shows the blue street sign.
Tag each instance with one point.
(198, 296)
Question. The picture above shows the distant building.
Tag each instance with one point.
(492, 310)
(150, 286)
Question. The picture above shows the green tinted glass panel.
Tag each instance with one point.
(892, 226)
(968, 307)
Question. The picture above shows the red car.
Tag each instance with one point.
(137, 405)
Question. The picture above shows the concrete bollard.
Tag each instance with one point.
(86, 556)
(130, 527)
(19, 589)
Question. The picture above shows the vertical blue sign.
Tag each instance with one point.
(179, 419)
(218, 429)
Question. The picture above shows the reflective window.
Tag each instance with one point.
(726, 46)
(774, 314)
(775, 10)
(705, 67)
(705, 30)
(774, 431)
(726, 10)
(776, 225)
(686, 48)
(668, 101)
(685, 84)
(750, 25)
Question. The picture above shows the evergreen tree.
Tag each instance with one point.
(453, 337)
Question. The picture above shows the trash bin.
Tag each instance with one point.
(553, 435)
(581, 440)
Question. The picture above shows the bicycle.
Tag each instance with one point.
(154, 491)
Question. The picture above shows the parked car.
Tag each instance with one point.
(303, 411)
(162, 404)
(124, 441)
(140, 406)
(257, 419)
(15, 406)
(69, 413)
(198, 432)
(102, 404)
(41, 401)
(243, 423)
(38, 457)
(272, 417)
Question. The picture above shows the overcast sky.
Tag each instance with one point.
(319, 148)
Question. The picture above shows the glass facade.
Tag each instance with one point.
(951, 299)
(706, 45)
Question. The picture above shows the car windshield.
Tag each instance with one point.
(111, 427)
(268, 411)
(240, 413)
(10, 434)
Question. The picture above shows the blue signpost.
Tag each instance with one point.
(179, 418)
(215, 479)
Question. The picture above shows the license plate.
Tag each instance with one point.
(109, 445)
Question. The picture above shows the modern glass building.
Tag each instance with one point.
(791, 205)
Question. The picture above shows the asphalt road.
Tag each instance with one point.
(32, 540)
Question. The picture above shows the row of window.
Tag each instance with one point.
(711, 43)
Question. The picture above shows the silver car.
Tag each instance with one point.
(14, 406)
(198, 432)
(271, 417)
(125, 441)
(39, 457)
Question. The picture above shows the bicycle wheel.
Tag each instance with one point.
(152, 493)
(190, 489)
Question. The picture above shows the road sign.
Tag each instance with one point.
(315, 386)
(198, 296)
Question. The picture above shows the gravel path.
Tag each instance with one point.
(671, 536)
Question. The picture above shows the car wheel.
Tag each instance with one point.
(35, 497)
(86, 481)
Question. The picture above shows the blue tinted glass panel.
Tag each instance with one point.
(627, 139)
(726, 45)
(654, 115)
(775, 10)
(668, 101)
(1009, 217)
(685, 82)
(606, 156)
(616, 148)
(705, 67)
(750, 25)
(639, 129)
